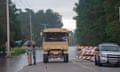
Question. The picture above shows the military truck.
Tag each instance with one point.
(55, 44)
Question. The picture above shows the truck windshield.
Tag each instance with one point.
(110, 48)
(55, 36)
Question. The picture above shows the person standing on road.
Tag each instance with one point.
(34, 54)
(29, 52)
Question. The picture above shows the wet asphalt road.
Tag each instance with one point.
(72, 66)
(17, 63)
(12, 65)
(81, 66)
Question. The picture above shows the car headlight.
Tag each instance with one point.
(103, 55)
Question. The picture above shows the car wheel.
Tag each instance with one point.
(99, 62)
(96, 61)
(117, 65)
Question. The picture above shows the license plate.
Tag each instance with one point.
(113, 60)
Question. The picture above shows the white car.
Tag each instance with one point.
(107, 53)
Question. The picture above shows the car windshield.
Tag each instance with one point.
(110, 48)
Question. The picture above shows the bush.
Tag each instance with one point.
(2, 51)
(17, 51)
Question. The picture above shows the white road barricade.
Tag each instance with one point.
(86, 52)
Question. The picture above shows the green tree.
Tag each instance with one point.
(97, 21)
(40, 20)
(2, 22)
(14, 23)
(15, 31)
(24, 19)
(111, 13)
(90, 22)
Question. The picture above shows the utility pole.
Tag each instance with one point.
(45, 26)
(119, 14)
(8, 29)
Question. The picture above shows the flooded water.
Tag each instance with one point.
(72, 52)
(17, 63)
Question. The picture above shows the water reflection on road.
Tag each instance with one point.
(13, 64)
(72, 52)
(17, 63)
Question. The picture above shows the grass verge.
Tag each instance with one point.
(17, 51)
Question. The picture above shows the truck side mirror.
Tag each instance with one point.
(41, 33)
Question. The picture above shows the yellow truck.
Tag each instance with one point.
(55, 44)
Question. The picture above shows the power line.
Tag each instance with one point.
(16, 3)
(24, 3)
(21, 3)
(28, 3)
(30, 21)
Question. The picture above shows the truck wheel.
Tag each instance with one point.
(45, 58)
(66, 58)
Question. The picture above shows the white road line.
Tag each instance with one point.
(45, 68)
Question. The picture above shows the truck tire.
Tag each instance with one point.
(45, 58)
(66, 58)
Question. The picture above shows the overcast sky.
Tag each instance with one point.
(63, 7)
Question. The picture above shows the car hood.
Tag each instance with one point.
(110, 52)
